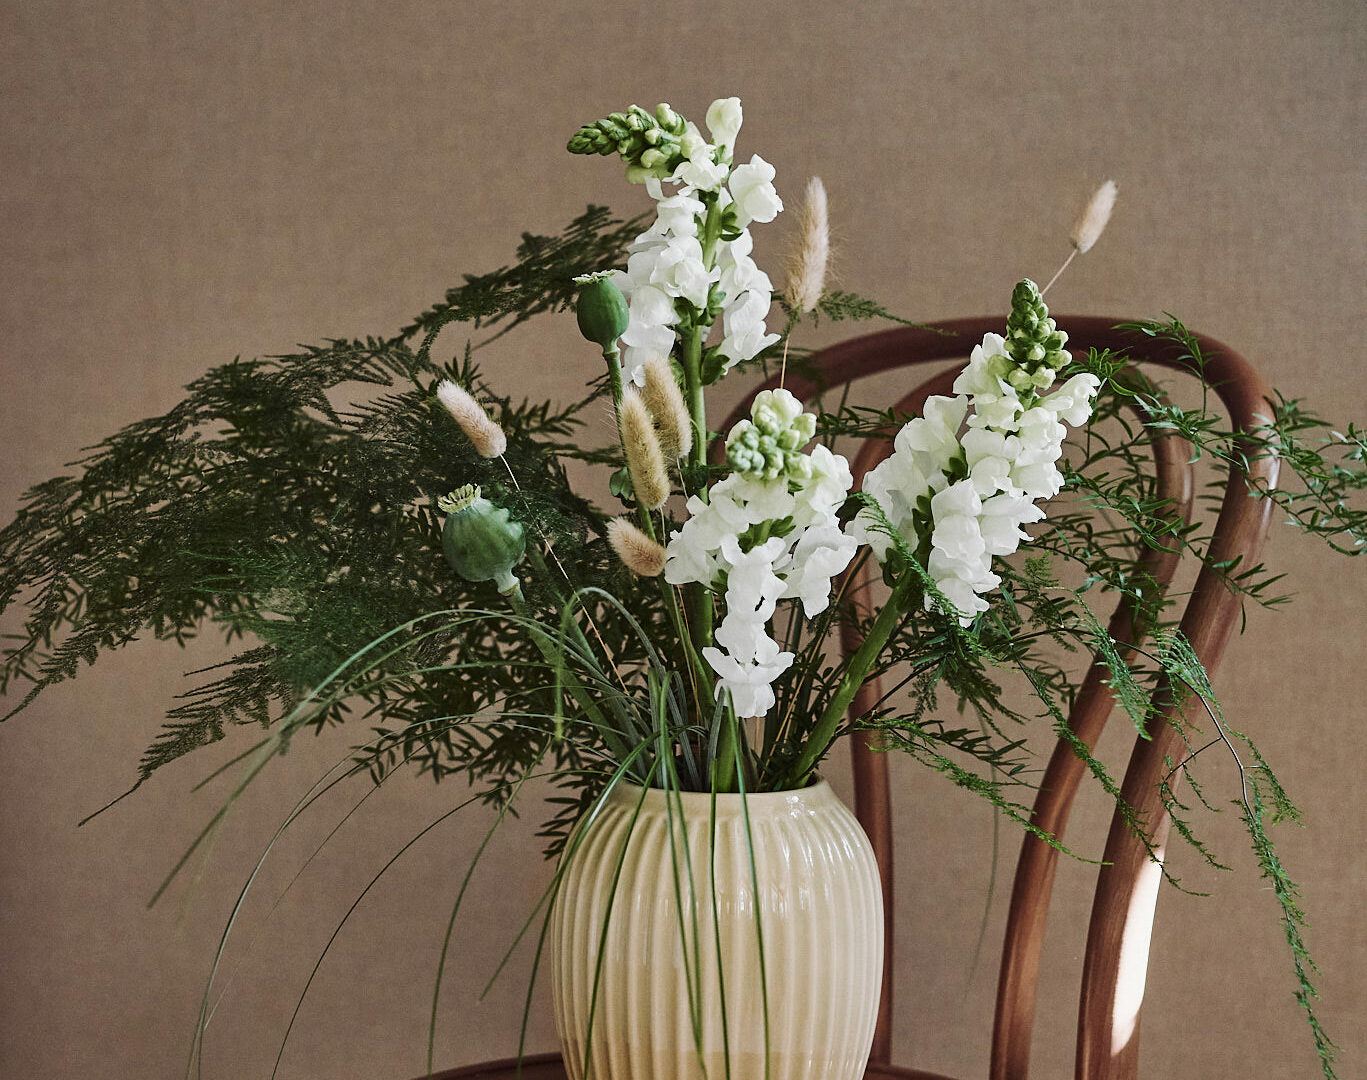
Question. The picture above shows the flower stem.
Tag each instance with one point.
(697, 597)
(724, 768)
(556, 658)
(856, 672)
(612, 355)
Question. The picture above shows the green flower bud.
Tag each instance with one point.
(649, 143)
(601, 310)
(480, 540)
(669, 119)
(653, 159)
(1032, 338)
(769, 444)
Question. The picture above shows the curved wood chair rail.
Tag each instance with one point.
(1116, 957)
(550, 1067)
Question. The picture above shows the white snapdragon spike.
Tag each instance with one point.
(779, 489)
(983, 485)
(667, 262)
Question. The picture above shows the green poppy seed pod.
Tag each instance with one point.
(480, 540)
(601, 310)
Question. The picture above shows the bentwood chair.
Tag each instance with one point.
(1116, 958)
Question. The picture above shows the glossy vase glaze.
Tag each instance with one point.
(820, 907)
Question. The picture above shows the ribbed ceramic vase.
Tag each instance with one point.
(821, 912)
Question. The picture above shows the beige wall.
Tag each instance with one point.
(183, 182)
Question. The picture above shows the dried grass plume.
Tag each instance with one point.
(487, 437)
(807, 264)
(645, 459)
(638, 552)
(665, 401)
(1093, 220)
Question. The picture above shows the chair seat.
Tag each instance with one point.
(550, 1067)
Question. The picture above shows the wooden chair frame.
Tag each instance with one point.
(1117, 949)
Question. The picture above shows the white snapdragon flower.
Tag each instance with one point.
(922, 451)
(750, 683)
(738, 271)
(752, 659)
(724, 117)
(821, 552)
(675, 215)
(748, 295)
(1001, 520)
(691, 140)
(1072, 402)
(989, 455)
(752, 592)
(825, 488)
(744, 332)
(935, 433)
(963, 595)
(679, 270)
(1009, 453)
(702, 171)
(650, 315)
(665, 263)
(752, 190)
(996, 404)
(955, 511)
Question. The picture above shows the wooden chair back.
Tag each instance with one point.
(1116, 956)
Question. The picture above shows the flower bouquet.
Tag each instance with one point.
(417, 559)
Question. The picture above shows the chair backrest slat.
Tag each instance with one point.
(1117, 946)
(1032, 889)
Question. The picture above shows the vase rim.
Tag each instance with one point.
(766, 803)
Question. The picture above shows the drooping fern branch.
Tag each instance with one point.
(258, 506)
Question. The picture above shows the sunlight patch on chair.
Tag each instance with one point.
(1134, 956)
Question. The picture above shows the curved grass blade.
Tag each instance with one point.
(603, 934)
(759, 921)
(356, 903)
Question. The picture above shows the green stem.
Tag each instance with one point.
(556, 658)
(856, 672)
(697, 597)
(611, 354)
(728, 750)
(671, 602)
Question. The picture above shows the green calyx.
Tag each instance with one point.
(649, 143)
(601, 309)
(769, 444)
(480, 540)
(1033, 339)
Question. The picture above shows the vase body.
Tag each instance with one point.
(658, 1012)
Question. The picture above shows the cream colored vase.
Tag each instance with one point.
(658, 1012)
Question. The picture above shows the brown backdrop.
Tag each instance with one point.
(184, 182)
